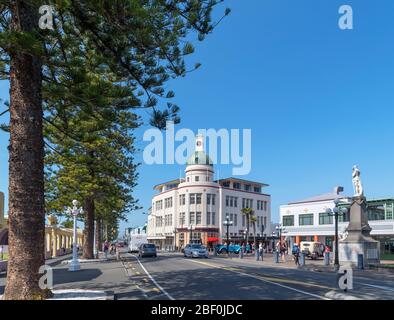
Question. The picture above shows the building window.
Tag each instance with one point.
(227, 201)
(231, 201)
(213, 216)
(211, 199)
(198, 218)
(265, 205)
(196, 236)
(196, 178)
(182, 199)
(325, 218)
(198, 198)
(226, 184)
(236, 185)
(243, 220)
(376, 212)
(257, 189)
(265, 222)
(159, 205)
(306, 219)
(247, 187)
(168, 202)
(235, 202)
(192, 218)
(389, 211)
(181, 218)
(208, 218)
(235, 220)
(288, 220)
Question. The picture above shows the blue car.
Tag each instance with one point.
(233, 248)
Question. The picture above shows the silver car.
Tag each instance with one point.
(195, 251)
(147, 250)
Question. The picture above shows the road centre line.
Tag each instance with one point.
(262, 279)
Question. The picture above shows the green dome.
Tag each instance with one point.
(199, 157)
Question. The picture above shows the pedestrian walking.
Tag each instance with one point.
(296, 254)
(261, 251)
(106, 248)
(283, 249)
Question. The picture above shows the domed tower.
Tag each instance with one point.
(199, 167)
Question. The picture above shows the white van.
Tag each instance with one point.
(312, 249)
(136, 240)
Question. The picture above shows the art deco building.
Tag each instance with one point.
(194, 208)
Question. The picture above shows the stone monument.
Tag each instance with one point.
(358, 240)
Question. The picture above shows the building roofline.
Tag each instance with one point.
(168, 182)
(243, 180)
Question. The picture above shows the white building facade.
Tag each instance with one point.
(307, 220)
(194, 208)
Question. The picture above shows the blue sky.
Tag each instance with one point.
(318, 99)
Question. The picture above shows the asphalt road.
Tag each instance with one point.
(173, 277)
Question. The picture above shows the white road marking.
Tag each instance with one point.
(378, 287)
(264, 280)
(153, 280)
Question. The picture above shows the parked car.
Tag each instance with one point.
(233, 248)
(147, 250)
(312, 249)
(195, 251)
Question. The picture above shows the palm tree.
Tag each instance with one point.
(253, 220)
(247, 212)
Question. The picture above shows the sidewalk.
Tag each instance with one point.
(310, 265)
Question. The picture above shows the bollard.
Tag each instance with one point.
(327, 259)
(360, 261)
(241, 254)
(302, 259)
(276, 256)
(257, 255)
(262, 255)
(215, 253)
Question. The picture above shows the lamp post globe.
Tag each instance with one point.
(74, 211)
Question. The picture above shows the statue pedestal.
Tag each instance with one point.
(358, 240)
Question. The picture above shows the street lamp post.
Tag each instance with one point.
(74, 265)
(280, 229)
(174, 239)
(191, 232)
(228, 223)
(336, 212)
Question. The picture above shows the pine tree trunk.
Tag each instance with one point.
(98, 234)
(26, 165)
(89, 229)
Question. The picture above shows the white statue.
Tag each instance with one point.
(358, 187)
